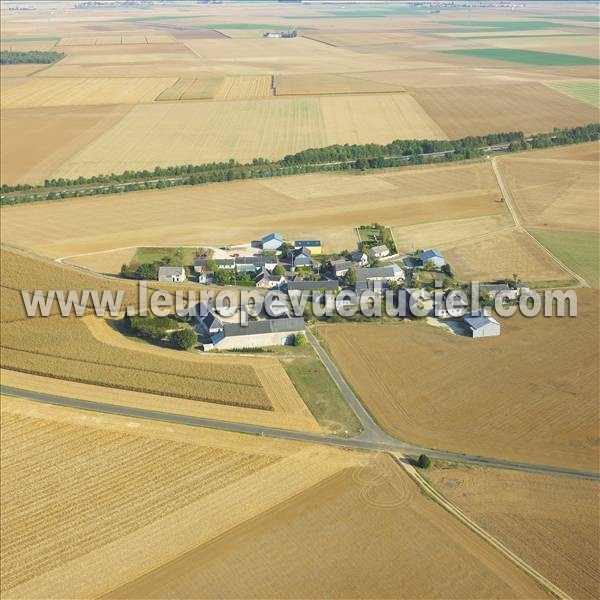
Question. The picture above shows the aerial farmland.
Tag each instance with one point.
(158, 442)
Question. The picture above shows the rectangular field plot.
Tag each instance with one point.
(244, 86)
(577, 249)
(45, 91)
(527, 57)
(328, 83)
(479, 110)
(586, 91)
(466, 409)
(199, 88)
(170, 134)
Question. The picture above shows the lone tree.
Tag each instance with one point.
(424, 461)
(279, 270)
(300, 339)
(183, 339)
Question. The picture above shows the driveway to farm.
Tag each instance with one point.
(514, 213)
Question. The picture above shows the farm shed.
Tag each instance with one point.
(313, 245)
(301, 257)
(272, 241)
(266, 332)
(433, 256)
(482, 325)
(171, 274)
(387, 273)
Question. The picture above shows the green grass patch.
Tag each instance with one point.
(506, 25)
(518, 37)
(590, 18)
(528, 57)
(177, 256)
(319, 392)
(159, 18)
(586, 91)
(239, 26)
(580, 251)
(29, 39)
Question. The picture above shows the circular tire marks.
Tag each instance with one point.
(381, 486)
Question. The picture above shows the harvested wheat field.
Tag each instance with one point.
(374, 507)
(120, 497)
(551, 522)
(530, 107)
(554, 193)
(329, 83)
(36, 141)
(499, 254)
(48, 91)
(530, 394)
(198, 88)
(328, 206)
(90, 351)
(244, 86)
(198, 132)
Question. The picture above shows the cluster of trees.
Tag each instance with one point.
(159, 328)
(145, 271)
(331, 158)
(31, 57)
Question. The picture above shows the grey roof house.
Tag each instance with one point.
(171, 274)
(433, 256)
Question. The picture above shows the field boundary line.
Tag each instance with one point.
(437, 497)
(519, 227)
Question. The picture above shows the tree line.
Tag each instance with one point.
(331, 158)
(31, 57)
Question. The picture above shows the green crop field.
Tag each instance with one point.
(506, 25)
(528, 57)
(578, 250)
(584, 90)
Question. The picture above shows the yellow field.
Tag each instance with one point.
(244, 86)
(192, 89)
(551, 522)
(247, 129)
(550, 192)
(46, 91)
(498, 255)
(328, 206)
(478, 110)
(506, 397)
(89, 351)
(375, 501)
(111, 498)
(328, 83)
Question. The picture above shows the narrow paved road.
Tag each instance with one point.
(514, 212)
(382, 443)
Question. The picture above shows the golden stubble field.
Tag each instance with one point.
(90, 501)
(326, 206)
(549, 521)
(360, 533)
(92, 359)
(530, 394)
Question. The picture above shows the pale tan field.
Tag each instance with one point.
(374, 507)
(36, 141)
(479, 110)
(9, 71)
(554, 192)
(551, 522)
(244, 86)
(499, 254)
(328, 206)
(328, 83)
(112, 498)
(172, 134)
(43, 92)
(521, 396)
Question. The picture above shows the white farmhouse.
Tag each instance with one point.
(171, 274)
